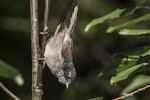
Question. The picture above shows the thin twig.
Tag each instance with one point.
(37, 91)
(132, 93)
(9, 92)
(45, 29)
(44, 37)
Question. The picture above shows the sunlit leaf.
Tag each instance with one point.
(97, 98)
(139, 81)
(114, 14)
(134, 32)
(123, 74)
(100, 20)
(7, 71)
(129, 23)
(129, 62)
(126, 64)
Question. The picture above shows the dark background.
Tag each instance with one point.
(92, 50)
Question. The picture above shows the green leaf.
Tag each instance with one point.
(130, 11)
(129, 23)
(7, 71)
(124, 73)
(114, 14)
(129, 62)
(139, 81)
(134, 32)
(97, 98)
(135, 54)
(126, 64)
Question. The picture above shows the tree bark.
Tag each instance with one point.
(37, 52)
(37, 91)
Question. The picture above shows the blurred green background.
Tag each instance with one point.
(92, 50)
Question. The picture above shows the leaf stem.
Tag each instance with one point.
(132, 93)
(9, 92)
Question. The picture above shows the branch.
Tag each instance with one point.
(37, 66)
(44, 37)
(45, 29)
(132, 93)
(37, 91)
(9, 92)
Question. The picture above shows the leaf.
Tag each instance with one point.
(97, 98)
(114, 14)
(139, 81)
(130, 61)
(130, 11)
(126, 64)
(136, 53)
(124, 73)
(7, 71)
(129, 23)
(134, 32)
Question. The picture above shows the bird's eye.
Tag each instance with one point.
(68, 77)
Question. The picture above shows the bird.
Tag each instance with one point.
(58, 52)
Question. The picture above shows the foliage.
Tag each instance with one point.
(7, 71)
(131, 62)
(134, 32)
(116, 14)
(92, 52)
(137, 82)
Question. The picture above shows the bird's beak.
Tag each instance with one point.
(67, 85)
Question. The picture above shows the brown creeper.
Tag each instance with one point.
(58, 52)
